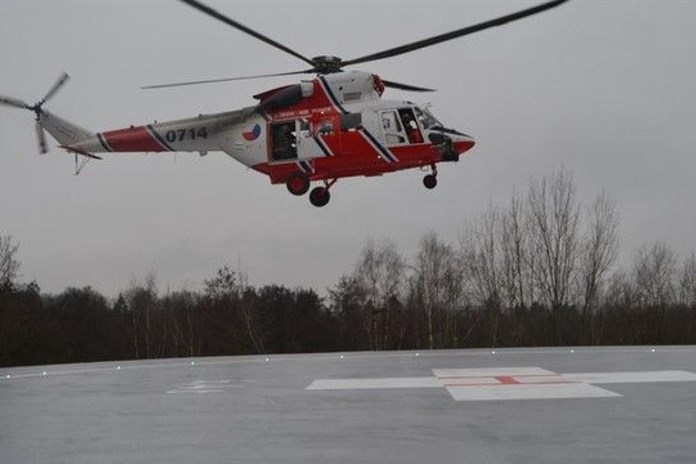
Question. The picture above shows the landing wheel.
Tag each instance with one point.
(319, 196)
(430, 181)
(297, 183)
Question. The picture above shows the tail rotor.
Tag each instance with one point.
(37, 109)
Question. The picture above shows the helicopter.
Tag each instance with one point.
(333, 126)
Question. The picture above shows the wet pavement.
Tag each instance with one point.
(543, 405)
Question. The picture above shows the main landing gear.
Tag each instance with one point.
(298, 184)
(430, 180)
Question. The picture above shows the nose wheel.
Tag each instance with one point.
(430, 180)
(320, 196)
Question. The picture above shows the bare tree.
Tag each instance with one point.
(150, 286)
(554, 221)
(654, 271)
(346, 303)
(141, 299)
(479, 245)
(380, 277)
(554, 216)
(181, 308)
(9, 266)
(687, 282)
(483, 264)
(620, 292)
(599, 251)
(516, 272)
(230, 288)
(438, 286)
(687, 291)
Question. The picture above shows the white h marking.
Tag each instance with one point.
(509, 383)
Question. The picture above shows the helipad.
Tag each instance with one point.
(510, 383)
(634, 405)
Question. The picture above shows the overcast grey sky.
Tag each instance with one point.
(604, 89)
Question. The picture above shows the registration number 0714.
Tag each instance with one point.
(179, 135)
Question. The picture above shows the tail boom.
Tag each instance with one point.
(201, 133)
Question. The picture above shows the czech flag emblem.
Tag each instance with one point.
(253, 133)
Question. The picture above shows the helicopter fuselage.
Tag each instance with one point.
(336, 125)
(331, 127)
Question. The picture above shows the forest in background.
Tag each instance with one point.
(537, 271)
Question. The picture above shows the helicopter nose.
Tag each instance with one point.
(463, 143)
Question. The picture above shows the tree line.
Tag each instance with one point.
(537, 271)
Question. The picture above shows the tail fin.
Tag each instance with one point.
(65, 132)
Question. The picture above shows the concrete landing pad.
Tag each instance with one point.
(570, 405)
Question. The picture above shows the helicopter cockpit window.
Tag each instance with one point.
(412, 130)
(284, 141)
(426, 119)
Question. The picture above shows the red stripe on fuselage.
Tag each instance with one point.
(135, 139)
(354, 157)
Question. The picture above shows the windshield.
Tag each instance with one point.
(426, 118)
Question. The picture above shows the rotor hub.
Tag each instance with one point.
(37, 109)
(327, 64)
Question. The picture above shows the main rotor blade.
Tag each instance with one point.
(41, 138)
(410, 88)
(455, 34)
(217, 15)
(14, 102)
(226, 79)
(59, 83)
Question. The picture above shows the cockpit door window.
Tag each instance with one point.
(392, 129)
(410, 124)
